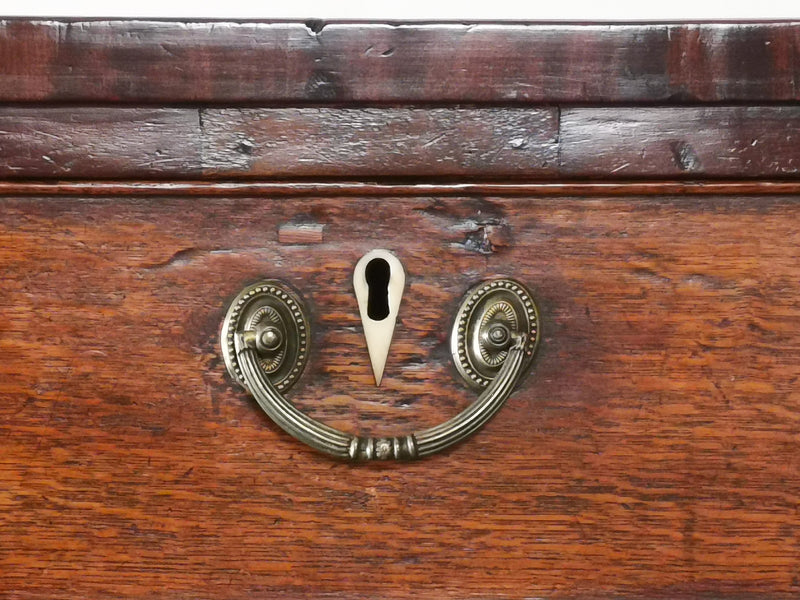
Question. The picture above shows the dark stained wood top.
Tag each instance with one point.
(331, 63)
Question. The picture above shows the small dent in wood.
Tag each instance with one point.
(315, 26)
(488, 238)
(323, 85)
(685, 156)
(246, 146)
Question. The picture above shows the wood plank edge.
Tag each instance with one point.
(345, 188)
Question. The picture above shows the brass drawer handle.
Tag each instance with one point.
(266, 339)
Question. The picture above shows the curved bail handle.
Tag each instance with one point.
(493, 339)
(347, 446)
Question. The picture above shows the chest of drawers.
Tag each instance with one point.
(640, 180)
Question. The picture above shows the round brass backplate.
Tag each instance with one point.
(275, 314)
(490, 315)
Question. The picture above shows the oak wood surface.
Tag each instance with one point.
(654, 450)
(745, 141)
(400, 143)
(327, 63)
(374, 142)
(99, 142)
(638, 177)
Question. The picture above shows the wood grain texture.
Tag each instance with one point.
(746, 141)
(510, 144)
(372, 142)
(113, 142)
(99, 142)
(318, 62)
(654, 450)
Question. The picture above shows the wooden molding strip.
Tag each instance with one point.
(717, 141)
(517, 144)
(328, 63)
(346, 188)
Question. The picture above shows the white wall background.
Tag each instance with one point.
(563, 10)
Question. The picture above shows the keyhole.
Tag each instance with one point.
(377, 274)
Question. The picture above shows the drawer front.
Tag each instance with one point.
(653, 450)
(642, 181)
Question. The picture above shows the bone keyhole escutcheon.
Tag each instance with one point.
(379, 280)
